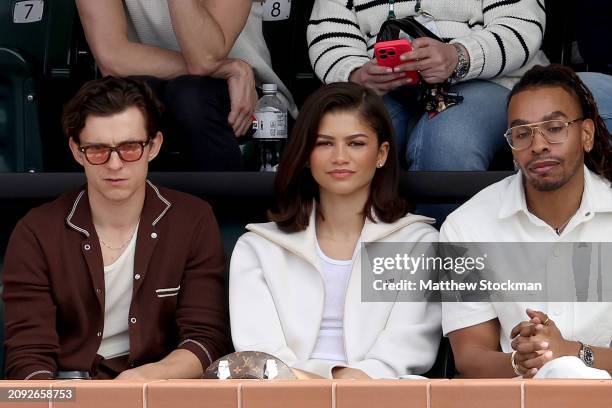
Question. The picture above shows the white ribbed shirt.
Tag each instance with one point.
(502, 37)
(330, 342)
(118, 284)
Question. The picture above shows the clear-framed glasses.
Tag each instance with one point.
(128, 152)
(554, 131)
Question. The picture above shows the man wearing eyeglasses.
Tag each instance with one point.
(120, 279)
(561, 194)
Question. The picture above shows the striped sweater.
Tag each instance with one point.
(503, 37)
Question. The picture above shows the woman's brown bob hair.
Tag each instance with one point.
(296, 189)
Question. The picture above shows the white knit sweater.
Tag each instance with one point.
(503, 37)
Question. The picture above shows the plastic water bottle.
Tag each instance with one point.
(271, 129)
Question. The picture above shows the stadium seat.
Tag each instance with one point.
(19, 137)
(2, 351)
(36, 56)
(286, 40)
(559, 34)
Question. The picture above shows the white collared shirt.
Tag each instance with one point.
(499, 214)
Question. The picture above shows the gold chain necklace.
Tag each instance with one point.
(115, 248)
(120, 247)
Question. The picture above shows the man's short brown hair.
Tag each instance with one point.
(108, 96)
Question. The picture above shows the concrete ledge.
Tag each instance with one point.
(322, 393)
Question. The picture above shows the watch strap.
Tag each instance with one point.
(463, 64)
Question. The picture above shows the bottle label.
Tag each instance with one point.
(271, 125)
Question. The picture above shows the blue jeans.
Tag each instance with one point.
(465, 137)
(600, 86)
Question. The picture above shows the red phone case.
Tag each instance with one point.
(388, 53)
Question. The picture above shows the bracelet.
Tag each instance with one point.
(514, 366)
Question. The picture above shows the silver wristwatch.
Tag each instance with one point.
(586, 355)
(463, 63)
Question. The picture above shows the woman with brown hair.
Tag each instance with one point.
(337, 188)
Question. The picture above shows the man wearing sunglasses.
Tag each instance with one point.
(561, 194)
(119, 279)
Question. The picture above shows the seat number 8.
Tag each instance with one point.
(274, 10)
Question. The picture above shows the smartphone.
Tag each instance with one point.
(388, 54)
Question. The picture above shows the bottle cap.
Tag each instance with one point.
(269, 88)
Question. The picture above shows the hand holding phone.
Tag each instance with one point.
(388, 54)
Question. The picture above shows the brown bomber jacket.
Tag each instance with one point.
(54, 287)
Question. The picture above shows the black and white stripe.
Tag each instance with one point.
(502, 49)
(484, 57)
(537, 23)
(337, 61)
(522, 41)
(334, 20)
(337, 34)
(497, 4)
(376, 3)
(333, 47)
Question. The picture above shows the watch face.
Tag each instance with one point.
(462, 68)
(588, 356)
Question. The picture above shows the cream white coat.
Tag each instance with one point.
(277, 297)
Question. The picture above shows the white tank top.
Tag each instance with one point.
(118, 282)
(330, 343)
